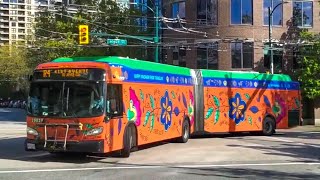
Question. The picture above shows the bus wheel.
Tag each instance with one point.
(185, 132)
(269, 126)
(129, 142)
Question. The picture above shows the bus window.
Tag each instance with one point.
(114, 100)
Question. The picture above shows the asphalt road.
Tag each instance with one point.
(290, 154)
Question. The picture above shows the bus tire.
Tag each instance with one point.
(269, 126)
(129, 141)
(185, 132)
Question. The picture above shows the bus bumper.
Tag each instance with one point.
(83, 146)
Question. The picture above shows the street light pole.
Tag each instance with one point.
(270, 44)
(270, 32)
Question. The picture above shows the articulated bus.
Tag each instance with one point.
(115, 104)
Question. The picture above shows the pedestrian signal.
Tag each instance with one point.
(83, 34)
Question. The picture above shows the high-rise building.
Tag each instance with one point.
(17, 17)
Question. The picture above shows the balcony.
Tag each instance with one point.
(4, 32)
(4, 20)
(4, 26)
(21, 7)
(21, 28)
(4, 14)
(4, 38)
(21, 19)
(4, 8)
(21, 38)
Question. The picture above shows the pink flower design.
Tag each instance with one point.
(191, 108)
(134, 110)
(279, 108)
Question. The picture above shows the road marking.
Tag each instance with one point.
(158, 166)
(9, 129)
(279, 139)
(289, 141)
(11, 136)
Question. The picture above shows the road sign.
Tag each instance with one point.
(117, 42)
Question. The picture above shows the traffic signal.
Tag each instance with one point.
(83, 34)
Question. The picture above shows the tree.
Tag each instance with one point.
(309, 74)
(13, 69)
(57, 32)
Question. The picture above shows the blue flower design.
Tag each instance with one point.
(237, 107)
(166, 111)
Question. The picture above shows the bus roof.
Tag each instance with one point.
(245, 75)
(131, 63)
(165, 68)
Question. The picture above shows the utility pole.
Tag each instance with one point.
(156, 39)
(270, 44)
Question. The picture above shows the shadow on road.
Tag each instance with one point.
(13, 114)
(247, 173)
(303, 135)
(296, 148)
(13, 149)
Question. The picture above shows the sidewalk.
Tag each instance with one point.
(307, 128)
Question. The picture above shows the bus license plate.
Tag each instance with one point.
(31, 146)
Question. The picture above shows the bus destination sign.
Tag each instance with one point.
(69, 74)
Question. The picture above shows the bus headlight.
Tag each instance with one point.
(32, 131)
(95, 131)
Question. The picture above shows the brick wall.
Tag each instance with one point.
(256, 32)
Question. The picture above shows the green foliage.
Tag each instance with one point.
(57, 32)
(13, 69)
(309, 74)
(13, 64)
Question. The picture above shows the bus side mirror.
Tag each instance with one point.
(106, 118)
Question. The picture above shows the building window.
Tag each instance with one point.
(241, 12)
(179, 56)
(207, 56)
(164, 56)
(242, 54)
(277, 58)
(178, 9)
(302, 13)
(277, 14)
(142, 22)
(207, 12)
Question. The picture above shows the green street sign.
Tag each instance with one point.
(117, 42)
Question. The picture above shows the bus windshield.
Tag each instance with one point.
(66, 99)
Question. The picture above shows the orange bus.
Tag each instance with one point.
(109, 104)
